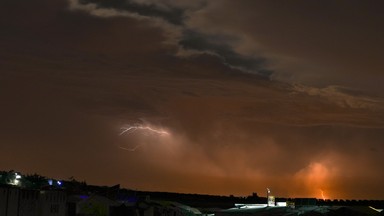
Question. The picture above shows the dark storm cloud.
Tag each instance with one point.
(187, 39)
(219, 46)
(172, 15)
(310, 43)
(317, 43)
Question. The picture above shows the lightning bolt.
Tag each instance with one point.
(322, 194)
(130, 149)
(132, 128)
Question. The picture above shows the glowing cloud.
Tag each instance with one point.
(315, 177)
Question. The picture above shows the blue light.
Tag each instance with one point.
(59, 183)
(50, 182)
(83, 197)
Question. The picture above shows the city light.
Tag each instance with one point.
(16, 182)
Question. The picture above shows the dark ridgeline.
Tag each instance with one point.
(134, 200)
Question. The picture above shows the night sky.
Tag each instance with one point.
(205, 96)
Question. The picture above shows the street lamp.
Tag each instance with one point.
(268, 192)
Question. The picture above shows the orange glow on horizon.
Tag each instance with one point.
(313, 179)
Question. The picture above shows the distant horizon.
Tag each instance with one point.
(261, 195)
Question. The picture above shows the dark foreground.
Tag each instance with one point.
(308, 210)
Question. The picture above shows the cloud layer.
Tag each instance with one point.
(250, 93)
